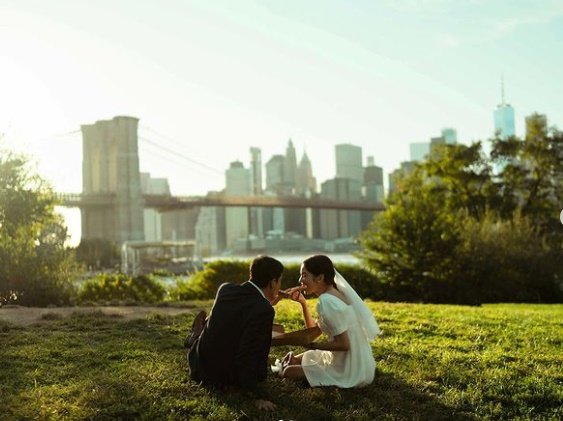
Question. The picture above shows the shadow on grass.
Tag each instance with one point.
(93, 367)
(386, 398)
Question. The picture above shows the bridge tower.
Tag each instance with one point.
(110, 167)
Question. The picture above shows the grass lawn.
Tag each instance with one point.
(433, 362)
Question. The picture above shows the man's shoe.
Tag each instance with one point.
(197, 327)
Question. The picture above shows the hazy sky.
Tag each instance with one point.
(210, 79)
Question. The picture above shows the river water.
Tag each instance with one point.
(336, 258)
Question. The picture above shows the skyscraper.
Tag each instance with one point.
(373, 183)
(237, 184)
(274, 217)
(349, 162)
(210, 229)
(419, 151)
(274, 173)
(290, 167)
(449, 135)
(372, 188)
(305, 181)
(256, 170)
(306, 185)
(301, 183)
(152, 217)
(504, 117)
(340, 223)
(256, 214)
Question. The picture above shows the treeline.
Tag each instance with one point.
(35, 266)
(470, 227)
(464, 227)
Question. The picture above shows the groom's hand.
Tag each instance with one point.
(265, 405)
(276, 300)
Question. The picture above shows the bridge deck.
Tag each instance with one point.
(164, 202)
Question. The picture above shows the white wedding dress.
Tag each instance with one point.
(352, 368)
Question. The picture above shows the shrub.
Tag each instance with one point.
(364, 282)
(503, 261)
(203, 285)
(120, 287)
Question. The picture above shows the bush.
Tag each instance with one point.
(364, 282)
(503, 261)
(203, 285)
(120, 287)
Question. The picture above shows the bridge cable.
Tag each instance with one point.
(175, 143)
(176, 154)
(167, 159)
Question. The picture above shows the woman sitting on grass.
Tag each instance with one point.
(346, 360)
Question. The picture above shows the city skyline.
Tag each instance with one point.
(209, 80)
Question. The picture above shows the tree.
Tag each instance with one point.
(35, 266)
(97, 253)
(531, 179)
(410, 245)
(457, 231)
(462, 176)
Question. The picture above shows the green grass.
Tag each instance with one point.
(433, 362)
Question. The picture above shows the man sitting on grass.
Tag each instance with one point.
(231, 346)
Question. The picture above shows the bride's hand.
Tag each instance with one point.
(295, 294)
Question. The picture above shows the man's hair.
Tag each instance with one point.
(263, 269)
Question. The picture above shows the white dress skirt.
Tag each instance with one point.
(345, 369)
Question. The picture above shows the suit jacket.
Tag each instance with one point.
(234, 344)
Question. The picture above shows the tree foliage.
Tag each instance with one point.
(409, 244)
(35, 266)
(467, 227)
(531, 177)
(97, 253)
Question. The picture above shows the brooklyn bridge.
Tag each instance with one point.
(112, 203)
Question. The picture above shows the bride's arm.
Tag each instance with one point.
(295, 294)
(309, 321)
(338, 343)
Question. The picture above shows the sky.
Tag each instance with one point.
(210, 79)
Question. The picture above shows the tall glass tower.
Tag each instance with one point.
(504, 117)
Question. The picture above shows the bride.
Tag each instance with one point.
(346, 359)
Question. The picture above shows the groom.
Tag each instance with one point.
(231, 346)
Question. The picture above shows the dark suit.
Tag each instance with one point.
(233, 347)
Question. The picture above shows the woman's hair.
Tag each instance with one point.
(321, 264)
(263, 269)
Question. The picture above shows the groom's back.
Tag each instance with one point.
(237, 309)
